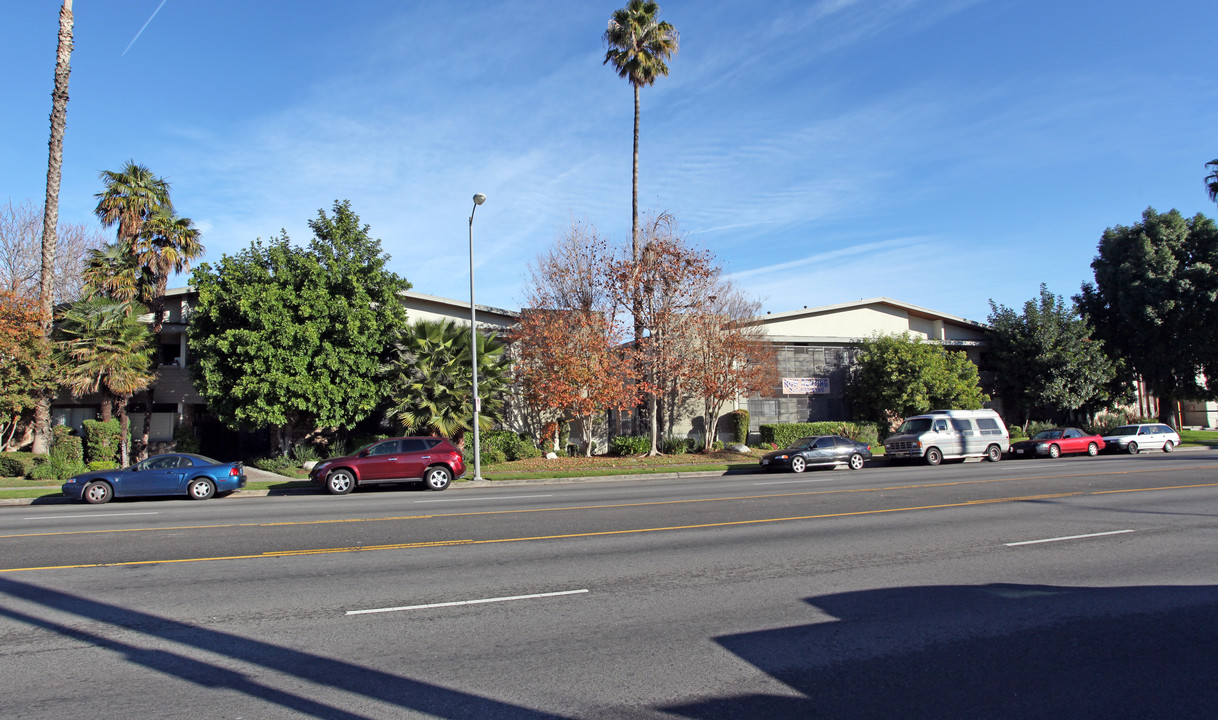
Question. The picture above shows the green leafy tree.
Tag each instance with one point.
(431, 380)
(105, 349)
(294, 339)
(1046, 360)
(896, 376)
(1154, 303)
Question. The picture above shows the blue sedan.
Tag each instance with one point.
(194, 476)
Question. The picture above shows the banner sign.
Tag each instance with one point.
(805, 386)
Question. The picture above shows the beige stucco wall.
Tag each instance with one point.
(862, 322)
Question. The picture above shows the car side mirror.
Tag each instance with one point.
(363, 453)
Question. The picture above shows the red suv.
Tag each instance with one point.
(432, 460)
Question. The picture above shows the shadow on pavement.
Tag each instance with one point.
(994, 651)
(368, 682)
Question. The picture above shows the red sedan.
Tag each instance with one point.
(1057, 442)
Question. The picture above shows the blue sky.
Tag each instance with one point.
(939, 152)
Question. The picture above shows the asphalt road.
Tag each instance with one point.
(1076, 588)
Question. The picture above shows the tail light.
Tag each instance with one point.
(235, 471)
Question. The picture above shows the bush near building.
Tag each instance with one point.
(784, 434)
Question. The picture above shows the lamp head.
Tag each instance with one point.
(479, 198)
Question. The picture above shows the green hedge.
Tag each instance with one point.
(19, 464)
(66, 446)
(740, 426)
(784, 434)
(102, 440)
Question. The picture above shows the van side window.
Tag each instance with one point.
(940, 426)
(988, 426)
(961, 425)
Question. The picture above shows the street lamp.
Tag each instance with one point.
(479, 198)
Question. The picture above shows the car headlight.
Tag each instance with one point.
(1042, 446)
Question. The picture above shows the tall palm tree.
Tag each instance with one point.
(1211, 180)
(431, 383)
(105, 349)
(638, 44)
(50, 218)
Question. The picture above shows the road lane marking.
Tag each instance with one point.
(85, 517)
(474, 499)
(615, 506)
(1068, 537)
(455, 603)
(600, 533)
(788, 482)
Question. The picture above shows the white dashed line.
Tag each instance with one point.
(466, 602)
(1068, 537)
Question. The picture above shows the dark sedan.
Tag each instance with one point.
(194, 476)
(822, 450)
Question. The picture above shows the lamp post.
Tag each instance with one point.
(479, 198)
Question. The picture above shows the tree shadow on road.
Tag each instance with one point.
(347, 677)
(996, 652)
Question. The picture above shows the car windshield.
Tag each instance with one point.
(914, 426)
(1047, 435)
(1124, 430)
(803, 443)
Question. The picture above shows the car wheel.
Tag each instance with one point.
(1132, 448)
(993, 453)
(437, 478)
(798, 464)
(933, 456)
(1093, 449)
(97, 492)
(200, 489)
(1168, 446)
(1055, 451)
(340, 482)
(856, 462)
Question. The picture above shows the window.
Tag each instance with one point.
(989, 426)
(389, 447)
(961, 425)
(940, 426)
(1072, 433)
(413, 445)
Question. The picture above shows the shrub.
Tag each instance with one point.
(26, 462)
(184, 440)
(102, 465)
(101, 440)
(1038, 425)
(623, 445)
(11, 467)
(58, 469)
(717, 445)
(783, 434)
(677, 445)
(493, 456)
(1016, 432)
(304, 453)
(740, 425)
(66, 445)
(505, 444)
(273, 463)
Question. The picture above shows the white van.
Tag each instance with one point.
(949, 434)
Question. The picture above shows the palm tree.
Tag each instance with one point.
(132, 195)
(1211, 180)
(112, 272)
(105, 349)
(50, 218)
(167, 244)
(639, 43)
(431, 383)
